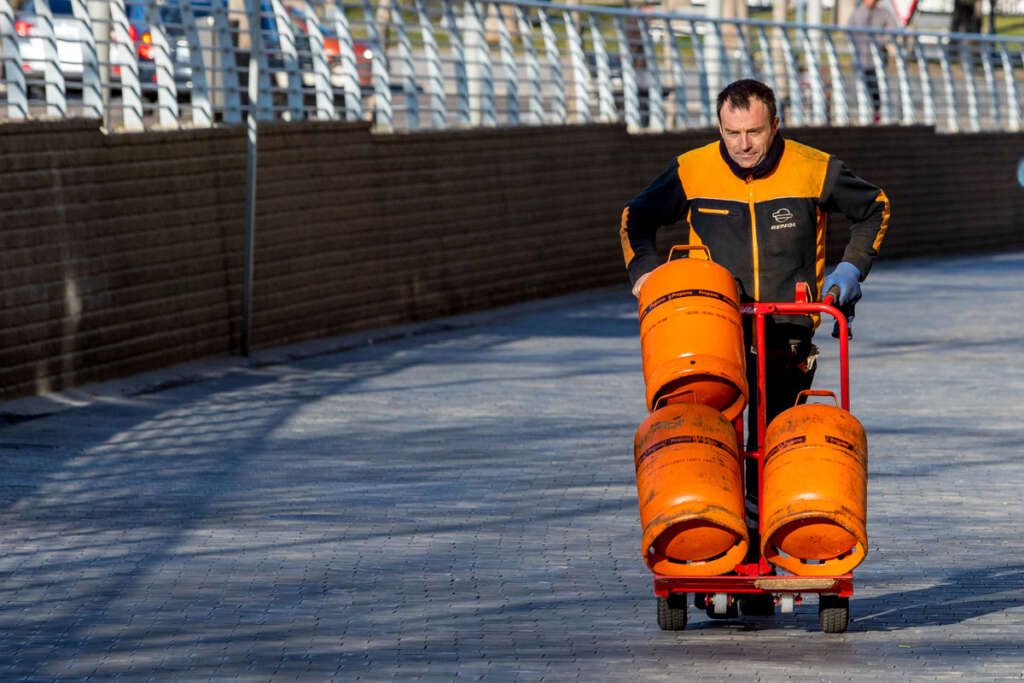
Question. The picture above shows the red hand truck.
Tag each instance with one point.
(720, 595)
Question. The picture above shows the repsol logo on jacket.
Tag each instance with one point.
(783, 219)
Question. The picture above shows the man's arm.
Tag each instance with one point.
(867, 208)
(663, 202)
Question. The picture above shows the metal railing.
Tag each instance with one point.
(436, 64)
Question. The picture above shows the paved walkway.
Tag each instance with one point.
(461, 503)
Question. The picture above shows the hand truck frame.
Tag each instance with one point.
(719, 595)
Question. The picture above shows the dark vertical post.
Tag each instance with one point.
(255, 42)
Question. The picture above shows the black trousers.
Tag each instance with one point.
(871, 79)
(790, 364)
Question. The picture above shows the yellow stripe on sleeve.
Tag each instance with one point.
(885, 220)
(627, 249)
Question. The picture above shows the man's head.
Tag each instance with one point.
(747, 121)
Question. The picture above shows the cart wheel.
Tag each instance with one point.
(672, 612)
(833, 613)
(720, 607)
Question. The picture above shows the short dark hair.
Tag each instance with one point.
(738, 94)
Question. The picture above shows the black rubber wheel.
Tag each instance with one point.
(672, 612)
(833, 613)
(760, 605)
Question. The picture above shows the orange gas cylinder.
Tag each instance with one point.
(690, 491)
(691, 337)
(814, 497)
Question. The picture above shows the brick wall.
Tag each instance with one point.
(123, 253)
(115, 251)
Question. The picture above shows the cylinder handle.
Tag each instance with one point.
(802, 396)
(689, 247)
(663, 400)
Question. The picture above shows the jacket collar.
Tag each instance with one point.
(767, 165)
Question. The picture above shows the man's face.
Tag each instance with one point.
(748, 133)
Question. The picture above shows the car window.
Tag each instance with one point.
(170, 11)
(61, 7)
(56, 7)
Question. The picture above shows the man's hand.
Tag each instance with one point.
(846, 277)
(639, 283)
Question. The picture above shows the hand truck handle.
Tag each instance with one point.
(831, 296)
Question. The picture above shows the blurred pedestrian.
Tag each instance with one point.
(966, 16)
(874, 15)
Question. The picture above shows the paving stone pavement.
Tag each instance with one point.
(460, 502)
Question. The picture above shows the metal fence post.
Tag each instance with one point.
(202, 112)
(605, 99)
(324, 107)
(813, 70)
(350, 84)
(1013, 122)
(407, 69)
(54, 87)
(952, 120)
(14, 74)
(973, 118)
(458, 58)
(478, 67)
(630, 96)
(675, 57)
(840, 110)
(251, 150)
(432, 59)
(92, 88)
(578, 68)
(906, 101)
(927, 92)
(990, 82)
(508, 64)
(166, 92)
(290, 58)
(382, 112)
(795, 111)
(122, 53)
(655, 106)
(534, 101)
(229, 78)
(554, 62)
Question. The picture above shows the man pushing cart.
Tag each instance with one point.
(755, 206)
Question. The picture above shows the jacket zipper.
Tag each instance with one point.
(753, 238)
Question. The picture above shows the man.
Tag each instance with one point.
(760, 204)
(871, 14)
(966, 17)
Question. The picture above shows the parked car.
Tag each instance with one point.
(332, 52)
(172, 24)
(71, 35)
(69, 32)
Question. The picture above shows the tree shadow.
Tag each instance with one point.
(959, 596)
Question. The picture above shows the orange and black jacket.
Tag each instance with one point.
(766, 225)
